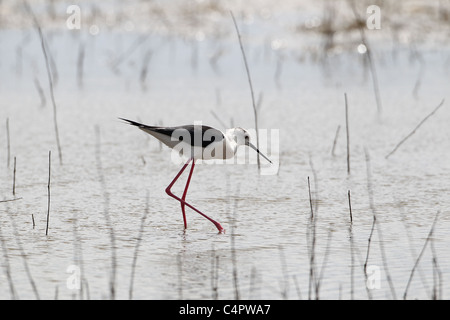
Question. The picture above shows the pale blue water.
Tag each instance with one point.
(303, 100)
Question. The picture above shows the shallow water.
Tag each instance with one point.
(266, 217)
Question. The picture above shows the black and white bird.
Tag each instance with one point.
(198, 142)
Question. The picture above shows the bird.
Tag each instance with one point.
(198, 142)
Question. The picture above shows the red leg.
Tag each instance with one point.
(168, 191)
(183, 202)
(185, 192)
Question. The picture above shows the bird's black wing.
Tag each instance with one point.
(198, 135)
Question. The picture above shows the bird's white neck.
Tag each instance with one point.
(231, 140)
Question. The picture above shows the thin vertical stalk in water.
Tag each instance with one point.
(316, 188)
(312, 276)
(48, 190)
(413, 251)
(49, 76)
(14, 178)
(335, 140)
(52, 96)
(351, 249)
(310, 201)
(369, 240)
(9, 200)
(437, 276)
(255, 110)
(348, 133)
(350, 206)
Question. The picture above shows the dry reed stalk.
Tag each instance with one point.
(335, 140)
(316, 186)
(350, 207)
(312, 226)
(352, 257)
(430, 234)
(51, 79)
(413, 251)
(310, 201)
(348, 133)
(48, 190)
(437, 276)
(14, 178)
(415, 129)
(9, 200)
(255, 110)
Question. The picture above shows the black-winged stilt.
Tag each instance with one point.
(199, 142)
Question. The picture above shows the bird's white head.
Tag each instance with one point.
(241, 137)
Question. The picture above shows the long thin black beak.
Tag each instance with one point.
(256, 149)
